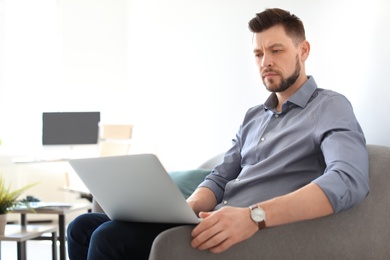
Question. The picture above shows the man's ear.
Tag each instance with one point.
(305, 50)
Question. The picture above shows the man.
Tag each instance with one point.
(300, 155)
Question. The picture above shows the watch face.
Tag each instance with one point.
(258, 215)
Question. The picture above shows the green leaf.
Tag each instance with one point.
(8, 198)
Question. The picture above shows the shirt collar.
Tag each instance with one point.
(300, 98)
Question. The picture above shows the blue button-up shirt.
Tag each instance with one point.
(315, 138)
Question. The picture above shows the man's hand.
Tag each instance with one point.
(221, 229)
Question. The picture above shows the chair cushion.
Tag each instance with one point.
(188, 180)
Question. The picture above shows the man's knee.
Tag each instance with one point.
(76, 228)
(83, 226)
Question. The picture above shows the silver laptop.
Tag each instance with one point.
(134, 188)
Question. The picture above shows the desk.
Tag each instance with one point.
(21, 234)
(61, 212)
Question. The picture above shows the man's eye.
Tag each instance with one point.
(276, 51)
(258, 55)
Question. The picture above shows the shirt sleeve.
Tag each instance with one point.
(228, 170)
(346, 179)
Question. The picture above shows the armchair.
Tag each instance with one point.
(362, 232)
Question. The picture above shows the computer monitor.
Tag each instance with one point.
(70, 128)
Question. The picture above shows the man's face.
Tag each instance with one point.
(277, 58)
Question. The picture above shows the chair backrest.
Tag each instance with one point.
(212, 162)
(114, 139)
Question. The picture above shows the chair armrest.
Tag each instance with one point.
(346, 235)
(360, 233)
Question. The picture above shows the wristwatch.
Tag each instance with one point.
(258, 215)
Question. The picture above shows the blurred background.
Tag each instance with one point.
(181, 71)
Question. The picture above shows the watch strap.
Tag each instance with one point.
(261, 224)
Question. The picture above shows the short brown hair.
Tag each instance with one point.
(270, 17)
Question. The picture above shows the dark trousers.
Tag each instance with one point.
(94, 236)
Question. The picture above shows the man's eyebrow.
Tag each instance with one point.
(275, 45)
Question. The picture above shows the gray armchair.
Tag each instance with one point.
(362, 232)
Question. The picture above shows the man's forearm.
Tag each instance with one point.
(309, 202)
(203, 199)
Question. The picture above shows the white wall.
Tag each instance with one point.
(193, 60)
(181, 71)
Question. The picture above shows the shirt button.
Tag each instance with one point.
(262, 139)
(237, 179)
(225, 202)
(276, 115)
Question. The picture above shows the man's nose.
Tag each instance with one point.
(266, 61)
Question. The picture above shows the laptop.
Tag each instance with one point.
(134, 188)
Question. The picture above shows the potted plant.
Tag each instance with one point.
(8, 199)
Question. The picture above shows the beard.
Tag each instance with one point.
(286, 82)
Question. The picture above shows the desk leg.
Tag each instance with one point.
(21, 247)
(54, 245)
(62, 235)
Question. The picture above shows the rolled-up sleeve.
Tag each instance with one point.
(346, 179)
